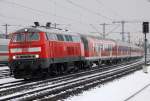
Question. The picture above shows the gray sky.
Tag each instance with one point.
(82, 16)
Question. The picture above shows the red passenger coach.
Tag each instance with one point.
(98, 49)
(33, 51)
(104, 51)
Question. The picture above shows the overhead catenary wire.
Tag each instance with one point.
(38, 11)
(14, 18)
(112, 31)
(62, 6)
(89, 10)
(100, 3)
(104, 29)
(47, 13)
(42, 12)
(93, 27)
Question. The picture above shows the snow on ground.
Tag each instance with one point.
(144, 95)
(7, 80)
(4, 67)
(119, 89)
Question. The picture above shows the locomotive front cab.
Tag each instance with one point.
(25, 52)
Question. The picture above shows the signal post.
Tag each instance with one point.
(145, 31)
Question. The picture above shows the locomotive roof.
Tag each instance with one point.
(43, 29)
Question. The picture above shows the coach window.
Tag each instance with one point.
(33, 36)
(105, 47)
(101, 47)
(110, 47)
(97, 48)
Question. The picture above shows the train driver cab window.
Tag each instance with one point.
(18, 37)
(33, 36)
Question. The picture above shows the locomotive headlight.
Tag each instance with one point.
(14, 57)
(37, 56)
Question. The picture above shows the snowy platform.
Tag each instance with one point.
(7, 80)
(4, 67)
(143, 95)
(133, 87)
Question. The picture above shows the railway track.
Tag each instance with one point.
(4, 73)
(52, 88)
(22, 82)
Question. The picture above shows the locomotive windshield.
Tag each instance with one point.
(20, 37)
(32, 36)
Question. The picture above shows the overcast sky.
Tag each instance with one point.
(83, 16)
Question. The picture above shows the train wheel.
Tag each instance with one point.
(98, 63)
(52, 69)
(45, 73)
(61, 69)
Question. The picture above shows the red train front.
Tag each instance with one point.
(33, 52)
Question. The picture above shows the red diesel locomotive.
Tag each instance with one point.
(40, 51)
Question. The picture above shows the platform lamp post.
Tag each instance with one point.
(145, 31)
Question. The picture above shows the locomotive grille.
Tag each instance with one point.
(25, 56)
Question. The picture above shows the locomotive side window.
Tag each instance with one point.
(76, 39)
(33, 36)
(68, 38)
(60, 37)
(18, 37)
(51, 36)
